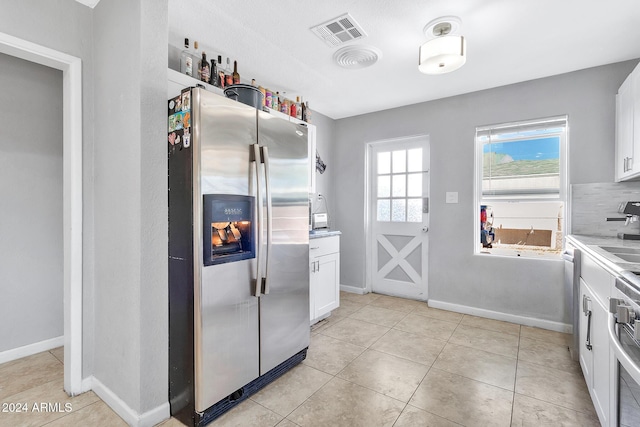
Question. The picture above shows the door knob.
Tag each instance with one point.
(425, 229)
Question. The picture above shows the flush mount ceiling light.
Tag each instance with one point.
(354, 57)
(445, 51)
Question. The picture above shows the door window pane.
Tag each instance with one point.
(414, 185)
(384, 186)
(398, 212)
(399, 161)
(414, 210)
(415, 160)
(399, 185)
(384, 210)
(384, 162)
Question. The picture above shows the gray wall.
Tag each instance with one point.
(325, 137)
(65, 25)
(31, 250)
(519, 286)
(130, 304)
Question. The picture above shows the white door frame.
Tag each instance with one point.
(71, 68)
(367, 205)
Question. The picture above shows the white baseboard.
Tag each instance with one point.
(505, 317)
(131, 417)
(30, 349)
(352, 289)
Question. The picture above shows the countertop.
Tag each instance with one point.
(592, 245)
(323, 232)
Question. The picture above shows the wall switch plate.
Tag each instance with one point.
(452, 197)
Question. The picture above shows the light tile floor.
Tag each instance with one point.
(377, 361)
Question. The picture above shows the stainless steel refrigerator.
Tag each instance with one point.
(238, 252)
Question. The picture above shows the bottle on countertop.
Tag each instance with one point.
(186, 60)
(228, 77)
(205, 71)
(196, 61)
(213, 78)
(236, 76)
(220, 75)
(298, 108)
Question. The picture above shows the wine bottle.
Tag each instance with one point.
(213, 79)
(220, 76)
(205, 71)
(304, 110)
(298, 109)
(186, 60)
(228, 77)
(236, 76)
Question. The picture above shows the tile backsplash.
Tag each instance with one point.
(592, 204)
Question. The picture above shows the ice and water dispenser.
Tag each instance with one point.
(228, 228)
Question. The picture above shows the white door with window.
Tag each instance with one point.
(399, 217)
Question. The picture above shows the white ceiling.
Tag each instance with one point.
(508, 41)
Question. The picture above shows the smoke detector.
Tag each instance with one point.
(339, 30)
(354, 57)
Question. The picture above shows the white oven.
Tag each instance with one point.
(624, 336)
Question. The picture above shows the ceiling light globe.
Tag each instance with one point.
(442, 54)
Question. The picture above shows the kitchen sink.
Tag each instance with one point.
(620, 250)
(629, 257)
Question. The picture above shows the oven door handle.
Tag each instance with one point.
(622, 355)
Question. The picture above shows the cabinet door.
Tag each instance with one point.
(600, 370)
(586, 320)
(625, 164)
(327, 284)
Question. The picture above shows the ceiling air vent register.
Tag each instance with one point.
(339, 30)
(353, 56)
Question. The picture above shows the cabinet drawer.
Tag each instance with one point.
(598, 279)
(324, 246)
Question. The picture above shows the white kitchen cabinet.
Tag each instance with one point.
(595, 287)
(627, 155)
(324, 283)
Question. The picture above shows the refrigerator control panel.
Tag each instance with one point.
(228, 228)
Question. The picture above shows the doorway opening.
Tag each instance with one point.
(397, 216)
(71, 68)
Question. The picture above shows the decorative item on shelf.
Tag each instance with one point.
(213, 79)
(275, 101)
(445, 51)
(264, 95)
(267, 98)
(228, 76)
(298, 108)
(292, 109)
(220, 76)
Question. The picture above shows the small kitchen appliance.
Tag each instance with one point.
(320, 220)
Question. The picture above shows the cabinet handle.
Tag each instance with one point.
(315, 247)
(318, 265)
(630, 163)
(586, 308)
(624, 164)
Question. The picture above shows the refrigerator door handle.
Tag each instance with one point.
(265, 160)
(255, 159)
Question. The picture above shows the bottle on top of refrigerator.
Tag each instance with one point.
(236, 76)
(275, 101)
(186, 60)
(220, 75)
(205, 71)
(264, 95)
(298, 108)
(228, 77)
(304, 110)
(307, 112)
(284, 107)
(213, 78)
(292, 109)
(196, 61)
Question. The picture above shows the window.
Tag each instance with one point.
(399, 176)
(520, 188)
